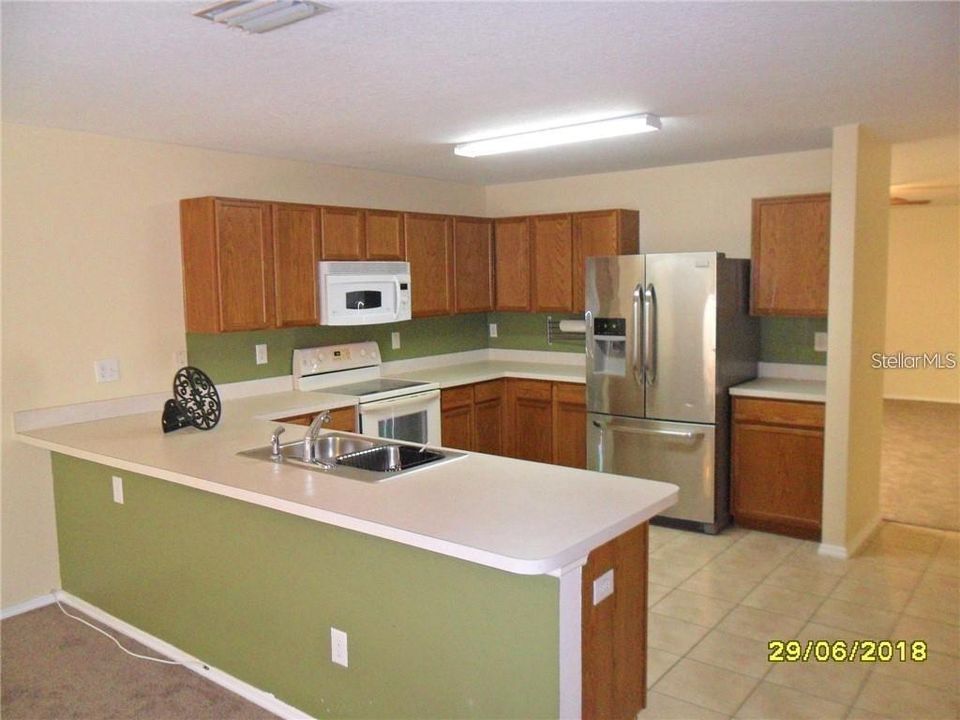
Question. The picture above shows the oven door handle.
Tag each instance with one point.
(403, 401)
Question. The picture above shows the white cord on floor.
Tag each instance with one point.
(117, 642)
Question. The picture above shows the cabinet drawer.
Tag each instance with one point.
(456, 397)
(778, 412)
(573, 393)
(533, 389)
(491, 390)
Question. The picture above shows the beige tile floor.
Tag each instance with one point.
(716, 601)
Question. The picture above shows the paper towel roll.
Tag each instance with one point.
(573, 326)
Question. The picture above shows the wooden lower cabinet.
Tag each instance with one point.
(614, 631)
(777, 466)
(344, 419)
(472, 417)
(570, 425)
(529, 420)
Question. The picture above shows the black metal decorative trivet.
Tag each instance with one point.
(195, 401)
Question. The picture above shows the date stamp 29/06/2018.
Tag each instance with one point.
(865, 651)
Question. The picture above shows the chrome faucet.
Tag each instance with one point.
(275, 443)
(309, 440)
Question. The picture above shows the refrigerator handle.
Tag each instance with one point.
(637, 291)
(588, 323)
(650, 334)
(649, 431)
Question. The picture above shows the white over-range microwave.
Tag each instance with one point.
(364, 293)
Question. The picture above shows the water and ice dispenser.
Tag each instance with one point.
(610, 346)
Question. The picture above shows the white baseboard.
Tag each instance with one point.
(225, 680)
(26, 606)
(854, 546)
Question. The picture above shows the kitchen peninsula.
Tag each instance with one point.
(466, 589)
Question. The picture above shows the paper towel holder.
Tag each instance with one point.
(557, 334)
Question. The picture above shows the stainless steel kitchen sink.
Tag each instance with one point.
(355, 457)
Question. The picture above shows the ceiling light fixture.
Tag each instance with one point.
(612, 127)
(259, 16)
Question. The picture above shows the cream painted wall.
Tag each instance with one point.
(91, 269)
(854, 411)
(701, 206)
(923, 299)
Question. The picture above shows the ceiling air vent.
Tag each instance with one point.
(260, 16)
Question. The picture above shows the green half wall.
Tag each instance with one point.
(254, 592)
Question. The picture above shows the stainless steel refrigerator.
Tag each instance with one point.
(667, 335)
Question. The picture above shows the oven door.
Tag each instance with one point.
(412, 418)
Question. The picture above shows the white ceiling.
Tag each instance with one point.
(391, 86)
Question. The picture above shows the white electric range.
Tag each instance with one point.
(388, 407)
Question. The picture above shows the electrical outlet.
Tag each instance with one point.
(261, 354)
(493, 329)
(107, 370)
(820, 342)
(118, 489)
(603, 587)
(338, 646)
(395, 340)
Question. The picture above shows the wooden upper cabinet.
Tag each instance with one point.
(228, 270)
(790, 255)
(599, 233)
(552, 244)
(473, 263)
(341, 233)
(383, 232)
(296, 250)
(512, 273)
(429, 241)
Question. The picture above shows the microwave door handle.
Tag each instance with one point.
(396, 295)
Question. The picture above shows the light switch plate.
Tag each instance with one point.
(395, 340)
(820, 342)
(603, 587)
(262, 354)
(117, 489)
(493, 329)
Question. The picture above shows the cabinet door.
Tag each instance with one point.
(245, 265)
(473, 263)
(790, 255)
(344, 419)
(530, 420)
(296, 244)
(341, 233)
(456, 417)
(429, 240)
(512, 275)
(488, 409)
(552, 242)
(570, 425)
(603, 232)
(383, 231)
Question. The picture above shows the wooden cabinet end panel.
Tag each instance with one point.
(614, 631)
(199, 257)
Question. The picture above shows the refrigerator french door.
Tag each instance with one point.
(657, 375)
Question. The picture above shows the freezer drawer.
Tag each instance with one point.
(678, 453)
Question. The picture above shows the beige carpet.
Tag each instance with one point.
(920, 463)
(54, 667)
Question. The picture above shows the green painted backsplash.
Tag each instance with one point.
(790, 340)
(230, 357)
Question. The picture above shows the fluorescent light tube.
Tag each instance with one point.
(613, 127)
(257, 16)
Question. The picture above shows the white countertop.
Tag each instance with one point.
(782, 389)
(518, 516)
(468, 373)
